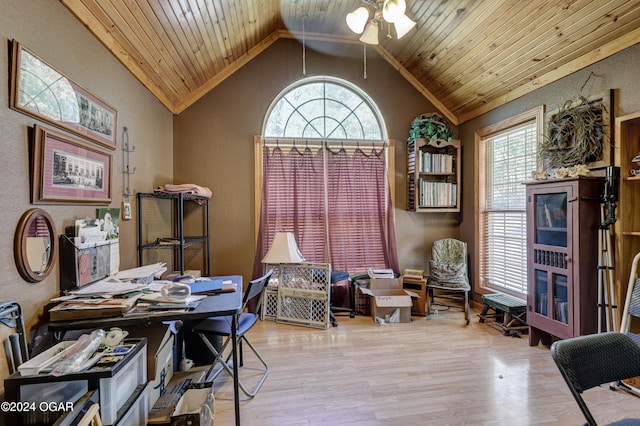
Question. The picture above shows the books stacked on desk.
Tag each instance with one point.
(103, 299)
(113, 297)
(86, 308)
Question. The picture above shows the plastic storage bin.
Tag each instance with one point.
(116, 390)
(116, 385)
(45, 359)
(137, 411)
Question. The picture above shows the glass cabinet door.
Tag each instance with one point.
(551, 219)
(551, 295)
(550, 256)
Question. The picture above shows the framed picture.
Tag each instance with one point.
(581, 132)
(39, 90)
(67, 170)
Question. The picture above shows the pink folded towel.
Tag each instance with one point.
(189, 188)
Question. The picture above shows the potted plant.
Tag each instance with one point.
(431, 126)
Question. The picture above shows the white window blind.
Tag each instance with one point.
(510, 157)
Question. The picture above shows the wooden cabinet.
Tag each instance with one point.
(563, 219)
(417, 285)
(433, 175)
(174, 228)
(627, 226)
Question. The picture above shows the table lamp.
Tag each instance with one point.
(283, 249)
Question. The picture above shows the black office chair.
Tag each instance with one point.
(221, 327)
(589, 361)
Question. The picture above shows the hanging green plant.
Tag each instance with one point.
(575, 134)
(430, 126)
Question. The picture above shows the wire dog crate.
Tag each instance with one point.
(298, 293)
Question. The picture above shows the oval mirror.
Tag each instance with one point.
(34, 245)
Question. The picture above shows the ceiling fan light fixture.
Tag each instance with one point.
(357, 19)
(370, 34)
(392, 10)
(403, 25)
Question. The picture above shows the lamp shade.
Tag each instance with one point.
(357, 19)
(403, 25)
(392, 10)
(283, 249)
(370, 34)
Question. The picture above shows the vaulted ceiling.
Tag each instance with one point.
(465, 56)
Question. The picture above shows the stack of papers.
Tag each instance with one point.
(143, 274)
(84, 308)
(104, 298)
(381, 273)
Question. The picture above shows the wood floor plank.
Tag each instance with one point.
(427, 372)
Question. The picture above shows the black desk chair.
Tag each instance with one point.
(589, 361)
(221, 327)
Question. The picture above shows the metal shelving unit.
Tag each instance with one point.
(162, 227)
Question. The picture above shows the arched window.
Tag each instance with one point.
(324, 108)
(322, 167)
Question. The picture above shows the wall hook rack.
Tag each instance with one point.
(127, 170)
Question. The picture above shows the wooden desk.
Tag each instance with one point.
(222, 304)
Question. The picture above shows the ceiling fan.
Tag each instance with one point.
(391, 12)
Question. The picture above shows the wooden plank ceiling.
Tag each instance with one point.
(465, 56)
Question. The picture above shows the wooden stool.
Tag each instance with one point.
(509, 313)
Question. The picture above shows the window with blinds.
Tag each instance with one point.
(509, 159)
(323, 172)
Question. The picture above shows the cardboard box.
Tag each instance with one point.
(165, 406)
(160, 357)
(387, 296)
(163, 371)
(195, 407)
(419, 287)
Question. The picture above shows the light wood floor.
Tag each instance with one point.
(427, 372)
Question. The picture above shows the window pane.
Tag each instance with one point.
(510, 159)
(323, 110)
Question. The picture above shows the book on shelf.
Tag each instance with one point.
(542, 303)
(438, 194)
(436, 163)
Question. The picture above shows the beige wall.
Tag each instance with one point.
(616, 72)
(213, 144)
(51, 32)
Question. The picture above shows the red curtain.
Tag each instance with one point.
(342, 215)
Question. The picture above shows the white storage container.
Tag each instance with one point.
(116, 390)
(116, 385)
(46, 359)
(138, 412)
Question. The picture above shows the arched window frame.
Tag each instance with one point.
(331, 143)
(297, 109)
